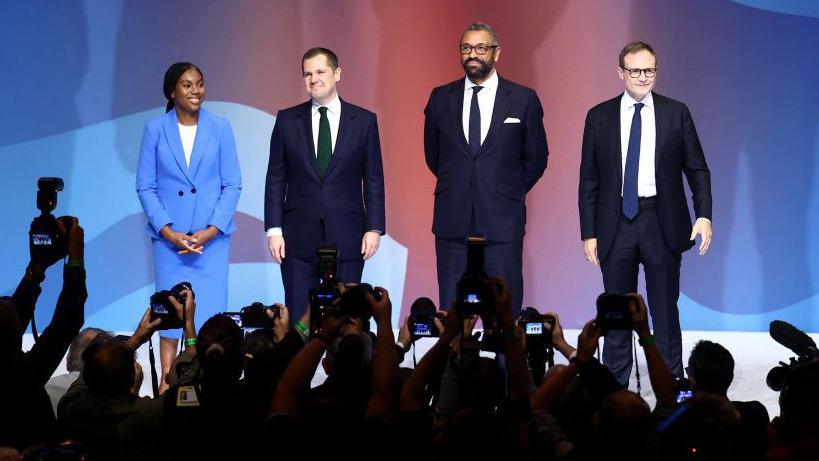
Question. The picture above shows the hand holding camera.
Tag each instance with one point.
(146, 328)
(588, 340)
(174, 307)
(639, 314)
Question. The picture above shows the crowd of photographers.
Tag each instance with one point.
(240, 394)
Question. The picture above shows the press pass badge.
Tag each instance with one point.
(186, 397)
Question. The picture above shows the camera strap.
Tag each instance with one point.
(636, 365)
(152, 360)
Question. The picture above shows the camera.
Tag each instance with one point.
(323, 295)
(538, 328)
(422, 319)
(46, 242)
(255, 316)
(161, 307)
(797, 341)
(613, 312)
(353, 303)
(472, 296)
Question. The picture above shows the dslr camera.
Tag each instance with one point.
(161, 307)
(255, 316)
(422, 319)
(323, 295)
(613, 312)
(46, 242)
(538, 328)
(472, 296)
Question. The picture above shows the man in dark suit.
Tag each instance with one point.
(636, 149)
(485, 143)
(325, 183)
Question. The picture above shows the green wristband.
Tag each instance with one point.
(190, 341)
(647, 340)
(302, 328)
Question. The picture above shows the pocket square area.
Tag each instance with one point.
(511, 120)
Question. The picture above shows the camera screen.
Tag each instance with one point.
(159, 309)
(237, 318)
(421, 329)
(684, 395)
(472, 298)
(534, 328)
(40, 239)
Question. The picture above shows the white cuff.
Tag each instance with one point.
(274, 232)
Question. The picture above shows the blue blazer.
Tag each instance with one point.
(494, 183)
(188, 198)
(349, 200)
(678, 153)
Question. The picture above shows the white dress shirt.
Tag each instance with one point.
(646, 179)
(334, 117)
(486, 103)
(188, 135)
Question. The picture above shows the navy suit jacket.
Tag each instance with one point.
(678, 152)
(495, 182)
(349, 199)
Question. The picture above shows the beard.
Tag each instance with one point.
(482, 70)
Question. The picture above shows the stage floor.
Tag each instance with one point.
(754, 354)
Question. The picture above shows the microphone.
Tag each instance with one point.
(794, 339)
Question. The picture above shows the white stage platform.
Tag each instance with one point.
(754, 354)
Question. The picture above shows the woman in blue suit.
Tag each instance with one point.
(188, 181)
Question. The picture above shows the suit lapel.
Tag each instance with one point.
(503, 99)
(200, 143)
(306, 135)
(345, 126)
(617, 135)
(171, 128)
(661, 122)
(456, 108)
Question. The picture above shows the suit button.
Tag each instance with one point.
(181, 193)
(193, 191)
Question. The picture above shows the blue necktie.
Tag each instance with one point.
(630, 203)
(475, 122)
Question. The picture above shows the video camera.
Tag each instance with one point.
(472, 297)
(161, 307)
(46, 241)
(613, 312)
(797, 341)
(255, 316)
(422, 319)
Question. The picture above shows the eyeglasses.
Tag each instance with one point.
(480, 48)
(649, 72)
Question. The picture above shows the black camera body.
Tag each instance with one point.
(46, 242)
(473, 298)
(255, 315)
(161, 307)
(538, 328)
(797, 341)
(422, 319)
(324, 295)
(353, 303)
(613, 312)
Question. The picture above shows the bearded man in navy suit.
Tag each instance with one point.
(484, 141)
(636, 149)
(325, 183)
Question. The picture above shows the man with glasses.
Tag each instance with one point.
(636, 149)
(485, 143)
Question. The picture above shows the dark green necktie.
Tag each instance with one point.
(325, 142)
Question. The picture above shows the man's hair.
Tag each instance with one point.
(108, 368)
(332, 59)
(219, 349)
(634, 47)
(480, 26)
(712, 366)
(78, 345)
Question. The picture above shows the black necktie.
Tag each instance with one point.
(630, 203)
(475, 122)
(325, 143)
